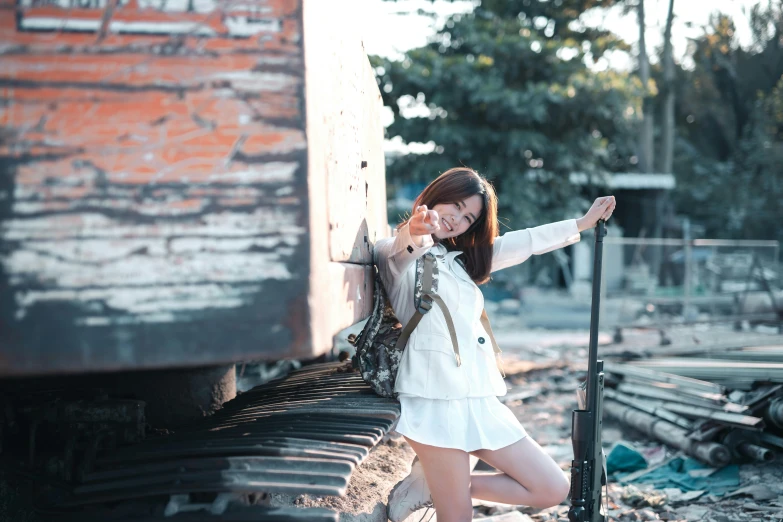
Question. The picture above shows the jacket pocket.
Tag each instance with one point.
(433, 341)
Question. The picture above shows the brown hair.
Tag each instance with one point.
(476, 242)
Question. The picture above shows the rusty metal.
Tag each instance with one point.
(272, 439)
(198, 190)
(78, 427)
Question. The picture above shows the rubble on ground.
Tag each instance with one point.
(542, 377)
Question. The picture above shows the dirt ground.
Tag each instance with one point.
(548, 365)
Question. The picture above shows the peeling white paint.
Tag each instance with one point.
(50, 23)
(240, 20)
(147, 271)
(144, 270)
(138, 286)
(118, 321)
(272, 172)
(180, 246)
(239, 25)
(256, 81)
(87, 225)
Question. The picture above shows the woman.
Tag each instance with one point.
(449, 404)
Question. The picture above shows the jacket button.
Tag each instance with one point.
(481, 340)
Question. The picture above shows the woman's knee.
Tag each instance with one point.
(554, 492)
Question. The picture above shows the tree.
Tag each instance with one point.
(667, 123)
(509, 94)
(647, 119)
(730, 129)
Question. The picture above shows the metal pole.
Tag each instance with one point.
(587, 470)
(592, 364)
(686, 233)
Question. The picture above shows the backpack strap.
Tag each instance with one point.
(488, 328)
(428, 295)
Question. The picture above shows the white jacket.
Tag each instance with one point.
(429, 368)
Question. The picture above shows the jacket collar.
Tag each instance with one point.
(451, 261)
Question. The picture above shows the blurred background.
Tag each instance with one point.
(190, 192)
(673, 106)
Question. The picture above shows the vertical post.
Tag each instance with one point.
(587, 473)
(688, 242)
(592, 365)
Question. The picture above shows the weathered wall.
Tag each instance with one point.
(182, 182)
(347, 170)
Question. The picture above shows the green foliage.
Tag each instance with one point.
(730, 115)
(509, 94)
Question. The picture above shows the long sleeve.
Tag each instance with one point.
(394, 255)
(515, 247)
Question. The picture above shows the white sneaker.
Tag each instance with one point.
(409, 495)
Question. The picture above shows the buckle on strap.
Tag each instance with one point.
(425, 304)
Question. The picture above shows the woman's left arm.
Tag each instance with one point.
(513, 248)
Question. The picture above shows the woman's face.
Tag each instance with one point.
(456, 218)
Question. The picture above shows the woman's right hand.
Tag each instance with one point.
(424, 221)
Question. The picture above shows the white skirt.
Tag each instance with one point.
(468, 424)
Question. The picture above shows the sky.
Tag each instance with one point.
(387, 31)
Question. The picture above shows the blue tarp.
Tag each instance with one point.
(623, 460)
(675, 475)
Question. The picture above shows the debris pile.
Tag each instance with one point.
(718, 403)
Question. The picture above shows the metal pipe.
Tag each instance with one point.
(752, 451)
(771, 439)
(696, 242)
(715, 369)
(655, 325)
(671, 396)
(716, 398)
(711, 453)
(734, 419)
(759, 342)
(774, 412)
(645, 406)
(660, 376)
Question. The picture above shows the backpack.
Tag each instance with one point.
(381, 343)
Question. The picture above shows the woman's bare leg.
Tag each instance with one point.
(448, 476)
(529, 476)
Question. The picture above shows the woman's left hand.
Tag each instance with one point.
(602, 208)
